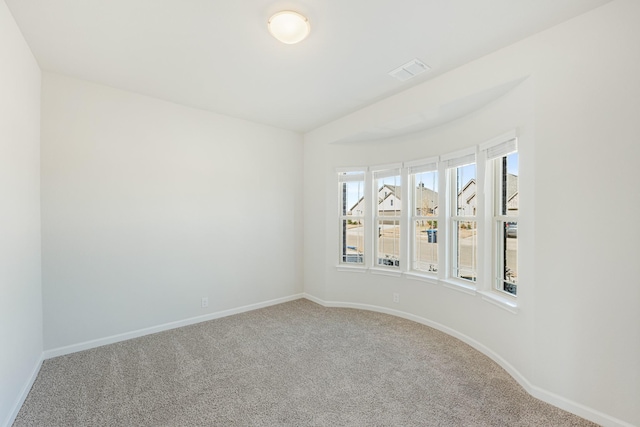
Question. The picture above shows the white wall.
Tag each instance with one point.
(576, 340)
(148, 206)
(20, 290)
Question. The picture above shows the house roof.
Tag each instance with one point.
(428, 194)
(512, 185)
(394, 189)
(467, 185)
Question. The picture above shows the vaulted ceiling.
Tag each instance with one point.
(218, 55)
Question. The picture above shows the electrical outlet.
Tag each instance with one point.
(205, 302)
(396, 297)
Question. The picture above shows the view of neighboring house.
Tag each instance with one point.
(426, 203)
(467, 200)
(388, 201)
(426, 199)
(357, 209)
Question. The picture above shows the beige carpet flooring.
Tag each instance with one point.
(294, 364)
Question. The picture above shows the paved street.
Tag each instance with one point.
(427, 253)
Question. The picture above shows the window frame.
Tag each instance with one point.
(378, 173)
(358, 174)
(413, 169)
(496, 151)
(450, 165)
(491, 150)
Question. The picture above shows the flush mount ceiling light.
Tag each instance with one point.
(289, 27)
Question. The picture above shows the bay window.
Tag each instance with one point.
(451, 220)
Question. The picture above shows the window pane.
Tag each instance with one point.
(389, 193)
(509, 273)
(352, 241)
(508, 169)
(466, 250)
(426, 194)
(389, 242)
(466, 200)
(506, 199)
(353, 198)
(426, 246)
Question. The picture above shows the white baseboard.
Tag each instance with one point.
(61, 351)
(23, 393)
(537, 392)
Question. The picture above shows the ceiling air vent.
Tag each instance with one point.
(408, 70)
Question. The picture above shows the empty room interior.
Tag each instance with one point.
(308, 225)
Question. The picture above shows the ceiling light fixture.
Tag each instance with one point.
(289, 27)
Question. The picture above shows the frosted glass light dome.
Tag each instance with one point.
(289, 27)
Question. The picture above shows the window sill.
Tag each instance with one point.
(459, 286)
(351, 268)
(385, 272)
(503, 302)
(412, 275)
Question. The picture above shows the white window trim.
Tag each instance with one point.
(422, 277)
(404, 220)
(423, 165)
(459, 158)
(385, 167)
(498, 140)
(502, 301)
(386, 271)
(459, 285)
(351, 268)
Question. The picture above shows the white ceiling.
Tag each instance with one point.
(218, 54)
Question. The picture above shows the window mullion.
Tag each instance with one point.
(486, 232)
(444, 249)
(405, 212)
(370, 211)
